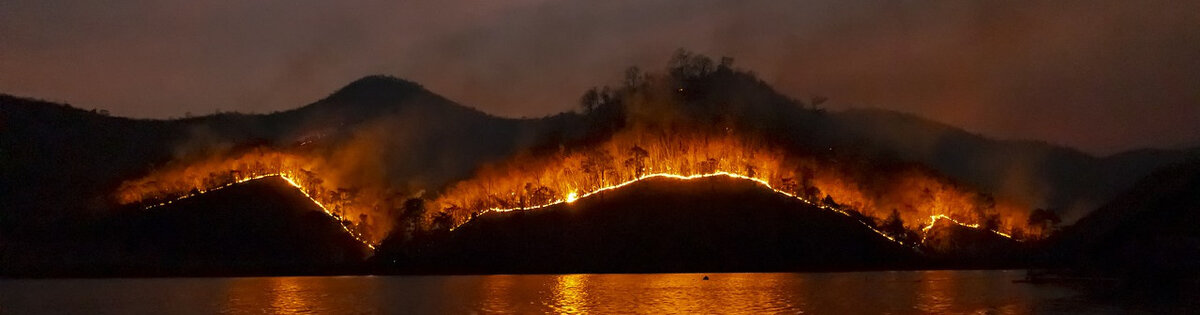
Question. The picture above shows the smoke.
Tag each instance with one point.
(1098, 75)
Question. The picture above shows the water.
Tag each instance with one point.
(902, 292)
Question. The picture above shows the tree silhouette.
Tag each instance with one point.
(410, 220)
(1044, 221)
(894, 225)
(726, 63)
(637, 160)
(589, 101)
(598, 163)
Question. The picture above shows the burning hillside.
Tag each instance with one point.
(183, 181)
(533, 182)
(700, 119)
(704, 119)
(657, 224)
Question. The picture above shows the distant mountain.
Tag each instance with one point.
(261, 227)
(1150, 230)
(658, 225)
(1064, 179)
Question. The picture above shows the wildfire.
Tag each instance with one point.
(291, 181)
(572, 197)
(533, 182)
(356, 235)
(527, 182)
(934, 219)
(181, 182)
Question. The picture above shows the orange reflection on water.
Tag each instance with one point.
(570, 294)
(497, 294)
(283, 295)
(286, 296)
(669, 293)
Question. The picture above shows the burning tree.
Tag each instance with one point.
(637, 161)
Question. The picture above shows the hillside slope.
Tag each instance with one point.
(659, 225)
(258, 227)
(1070, 182)
(1151, 229)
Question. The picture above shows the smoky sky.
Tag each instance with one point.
(1101, 76)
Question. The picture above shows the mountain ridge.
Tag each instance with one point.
(416, 140)
(981, 161)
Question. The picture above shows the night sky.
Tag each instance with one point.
(1101, 76)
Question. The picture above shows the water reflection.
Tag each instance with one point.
(957, 292)
(298, 295)
(672, 293)
(287, 296)
(934, 293)
(570, 295)
(496, 294)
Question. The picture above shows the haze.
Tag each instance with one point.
(1102, 76)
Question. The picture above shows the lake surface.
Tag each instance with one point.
(898, 292)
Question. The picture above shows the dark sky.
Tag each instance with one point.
(1101, 76)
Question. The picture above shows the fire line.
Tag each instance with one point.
(574, 196)
(290, 181)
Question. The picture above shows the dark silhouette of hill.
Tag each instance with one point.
(261, 227)
(657, 225)
(1149, 231)
(1071, 182)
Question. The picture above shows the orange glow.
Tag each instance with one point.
(934, 219)
(179, 182)
(528, 181)
(532, 182)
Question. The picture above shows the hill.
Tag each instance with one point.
(658, 225)
(422, 140)
(261, 227)
(1064, 179)
(1149, 231)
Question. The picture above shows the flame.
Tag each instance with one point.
(571, 197)
(358, 236)
(185, 181)
(934, 219)
(528, 182)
